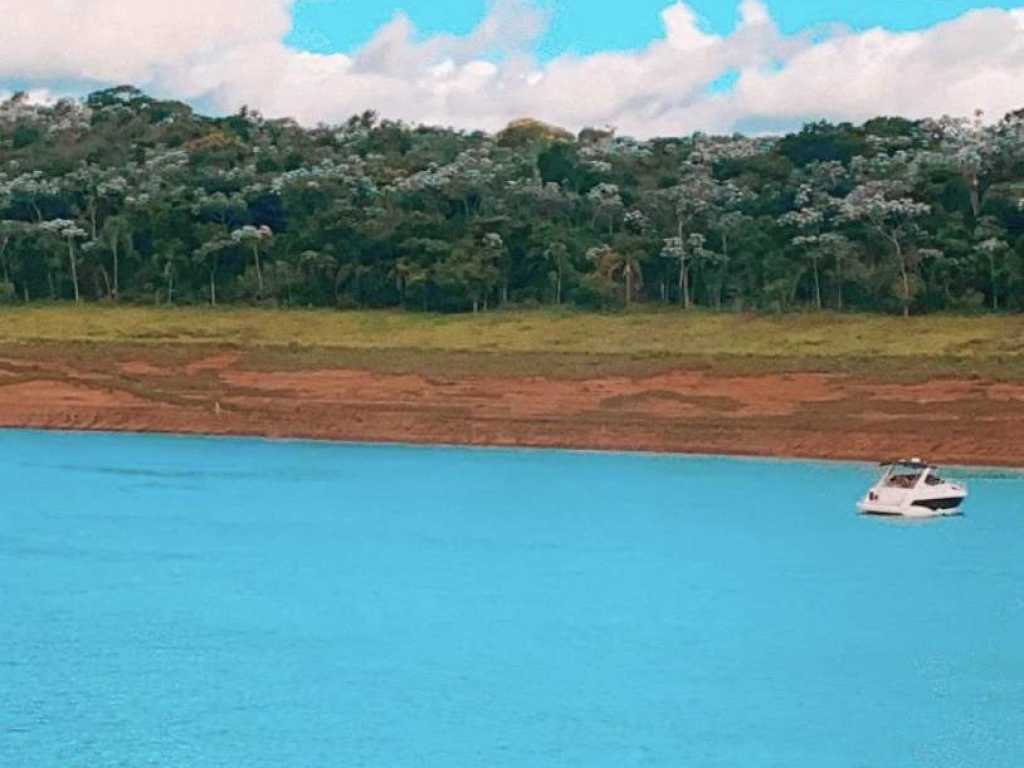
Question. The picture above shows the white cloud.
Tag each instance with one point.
(232, 52)
(976, 61)
(130, 40)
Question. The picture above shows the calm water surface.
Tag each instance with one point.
(189, 602)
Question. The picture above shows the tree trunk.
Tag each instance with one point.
(3, 259)
(106, 280)
(629, 285)
(904, 274)
(213, 287)
(684, 278)
(992, 275)
(558, 288)
(74, 270)
(724, 274)
(117, 286)
(53, 289)
(817, 284)
(337, 287)
(974, 184)
(259, 269)
(839, 284)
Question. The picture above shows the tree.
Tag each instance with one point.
(710, 265)
(208, 255)
(32, 191)
(116, 235)
(94, 187)
(815, 215)
(972, 149)
(684, 251)
(841, 250)
(471, 271)
(700, 200)
(69, 231)
(613, 265)
(557, 255)
(808, 221)
(674, 248)
(727, 226)
(415, 270)
(893, 216)
(494, 255)
(823, 141)
(254, 237)
(606, 202)
(315, 268)
(990, 243)
(169, 259)
(8, 231)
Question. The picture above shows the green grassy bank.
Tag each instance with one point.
(932, 345)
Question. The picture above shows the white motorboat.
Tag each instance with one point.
(913, 489)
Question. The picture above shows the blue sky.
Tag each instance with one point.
(586, 26)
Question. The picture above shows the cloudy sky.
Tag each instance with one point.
(648, 67)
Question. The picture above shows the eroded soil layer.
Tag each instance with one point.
(667, 406)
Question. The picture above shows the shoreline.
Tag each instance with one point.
(327, 441)
(672, 408)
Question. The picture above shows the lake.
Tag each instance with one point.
(218, 602)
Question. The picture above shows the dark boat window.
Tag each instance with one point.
(898, 480)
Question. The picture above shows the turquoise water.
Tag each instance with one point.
(191, 602)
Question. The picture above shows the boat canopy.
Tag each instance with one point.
(909, 464)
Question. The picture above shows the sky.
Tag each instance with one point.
(645, 67)
(589, 26)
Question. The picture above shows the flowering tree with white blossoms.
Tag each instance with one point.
(254, 237)
(606, 201)
(69, 231)
(885, 207)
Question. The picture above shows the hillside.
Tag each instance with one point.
(123, 197)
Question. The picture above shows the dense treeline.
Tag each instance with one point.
(124, 197)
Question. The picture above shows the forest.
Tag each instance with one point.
(120, 197)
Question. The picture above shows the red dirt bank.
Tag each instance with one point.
(800, 415)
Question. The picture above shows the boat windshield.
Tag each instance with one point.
(902, 477)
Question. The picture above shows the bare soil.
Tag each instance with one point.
(660, 405)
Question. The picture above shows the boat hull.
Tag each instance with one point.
(920, 510)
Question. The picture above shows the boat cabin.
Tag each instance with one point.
(907, 474)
